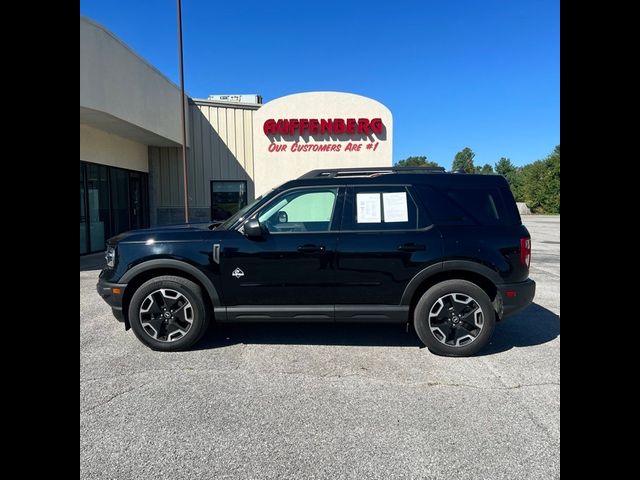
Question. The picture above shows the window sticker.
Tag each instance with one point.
(395, 207)
(368, 208)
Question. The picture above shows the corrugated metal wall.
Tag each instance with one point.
(221, 148)
(166, 204)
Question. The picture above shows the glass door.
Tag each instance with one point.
(119, 200)
(112, 200)
(135, 201)
(98, 204)
(84, 239)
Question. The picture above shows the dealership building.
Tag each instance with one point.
(131, 171)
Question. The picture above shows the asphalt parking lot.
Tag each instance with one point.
(325, 401)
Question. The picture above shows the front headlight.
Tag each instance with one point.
(110, 256)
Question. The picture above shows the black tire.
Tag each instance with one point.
(440, 291)
(198, 314)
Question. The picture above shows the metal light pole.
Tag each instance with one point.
(184, 126)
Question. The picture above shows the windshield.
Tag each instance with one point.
(239, 214)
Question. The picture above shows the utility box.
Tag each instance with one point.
(242, 98)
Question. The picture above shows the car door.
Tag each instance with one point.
(385, 240)
(290, 268)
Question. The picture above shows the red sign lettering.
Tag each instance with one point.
(314, 126)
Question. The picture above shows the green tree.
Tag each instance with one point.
(504, 167)
(464, 160)
(541, 184)
(486, 169)
(420, 161)
(507, 169)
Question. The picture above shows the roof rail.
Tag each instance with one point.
(418, 169)
(367, 171)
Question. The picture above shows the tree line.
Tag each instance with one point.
(536, 184)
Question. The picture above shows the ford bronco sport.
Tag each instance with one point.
(444, 251)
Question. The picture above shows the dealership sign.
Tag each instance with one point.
(345, 128)
(305, 131)
(301, 127)
(322, 126)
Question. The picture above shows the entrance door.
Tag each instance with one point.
(293, 263)
(98, 204)
(84, 220)
(135, 201)
(112, 200)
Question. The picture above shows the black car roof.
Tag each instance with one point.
(394, 175)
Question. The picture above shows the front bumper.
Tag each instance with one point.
(516, 296)
(114, 300)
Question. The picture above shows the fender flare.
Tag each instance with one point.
(177, 265)
(447, 265)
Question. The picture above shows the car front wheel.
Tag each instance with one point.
(454, 318)
(168, 313)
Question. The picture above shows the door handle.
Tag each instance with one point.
(411, 247)
(310, 248)
(216, 253)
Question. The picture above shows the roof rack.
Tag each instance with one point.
(367, 171)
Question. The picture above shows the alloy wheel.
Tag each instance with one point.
(166, 315)
(456, 319)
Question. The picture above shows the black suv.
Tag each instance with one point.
(446, 251)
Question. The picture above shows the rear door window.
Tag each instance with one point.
(380, 208)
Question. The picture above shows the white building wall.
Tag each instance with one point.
(122, 86)
(272, 168)
(98, 146)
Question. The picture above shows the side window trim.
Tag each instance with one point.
(338, 209)
(422, 212)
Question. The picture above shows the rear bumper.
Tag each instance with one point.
(114, 300)
(516, 296)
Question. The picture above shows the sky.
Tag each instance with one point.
(454, 73)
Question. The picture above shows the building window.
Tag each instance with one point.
(112, 200)
(227, 197)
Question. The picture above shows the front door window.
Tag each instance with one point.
(301, 211)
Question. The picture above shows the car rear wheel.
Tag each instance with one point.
(168, 313)
(454, 318)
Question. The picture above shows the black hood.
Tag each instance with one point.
(159, 232)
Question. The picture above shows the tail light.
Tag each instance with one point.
(525, 252)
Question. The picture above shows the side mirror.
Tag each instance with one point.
(253, 229)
